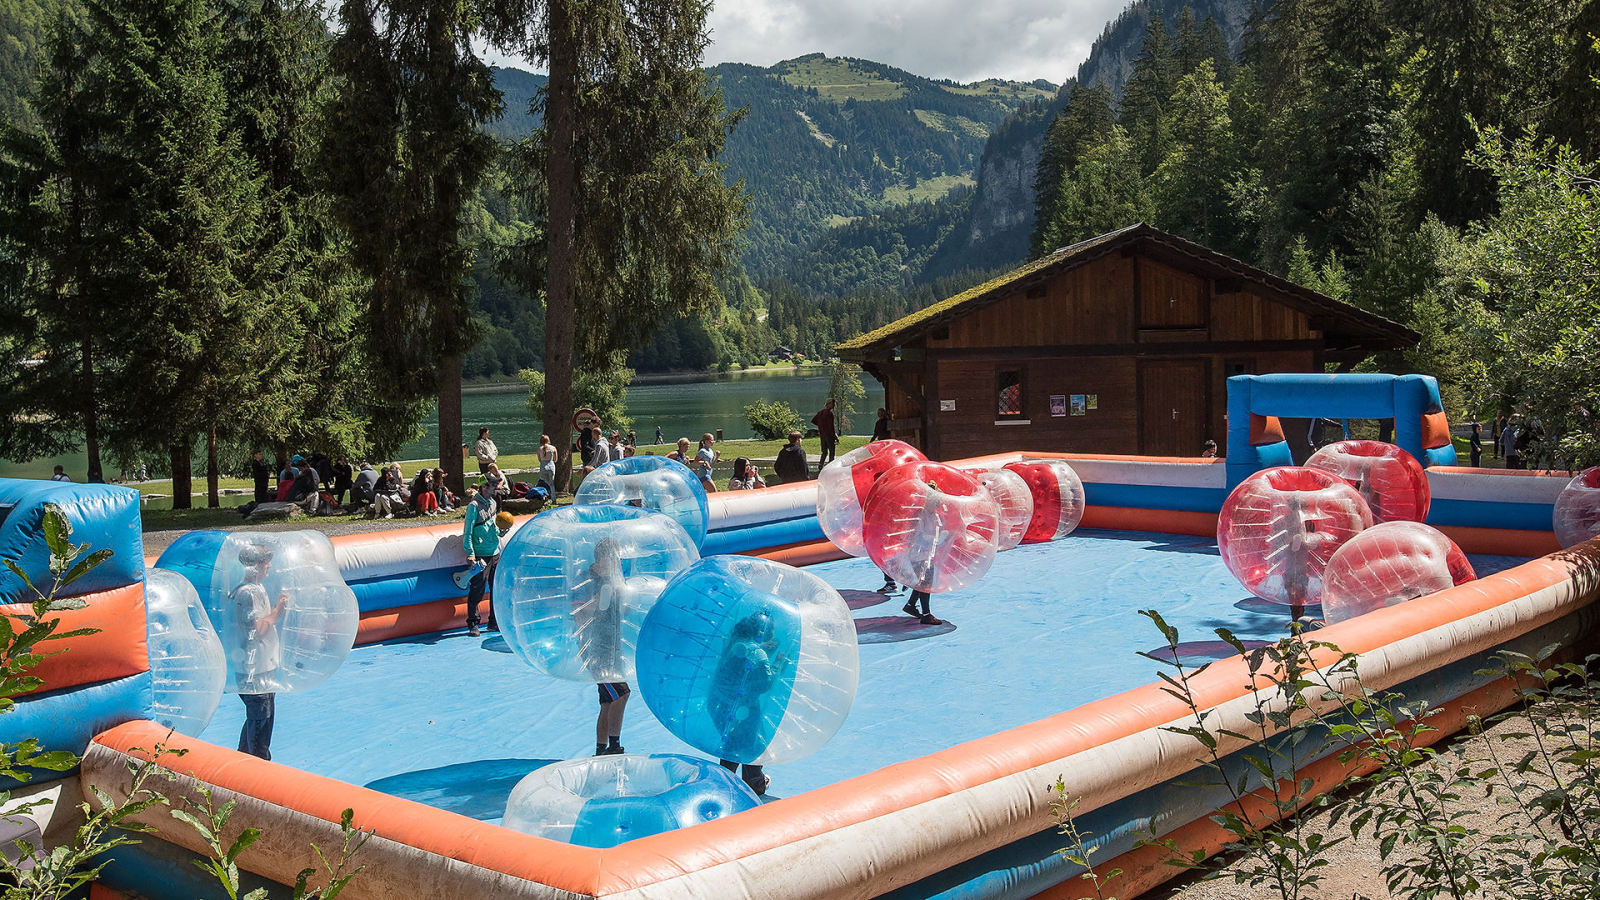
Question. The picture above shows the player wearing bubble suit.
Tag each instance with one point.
(259, 653)
(1576, 516)
(597, 618)
(751, 664)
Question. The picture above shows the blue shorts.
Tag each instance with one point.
(610, 692)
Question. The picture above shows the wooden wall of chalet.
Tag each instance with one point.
(1152, 342)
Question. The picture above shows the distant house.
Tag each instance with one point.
(1117, 344)
(781, 352)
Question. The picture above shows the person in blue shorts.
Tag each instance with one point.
(608, 729)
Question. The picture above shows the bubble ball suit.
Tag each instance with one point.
(749, 660)
(187, 666)
(285, 579)
(931, 527)
(1057, 498)
(652, 482)
(843, 486)
(1577, 511)
(1388, 478)
(1278, 529)
(1390, 563)
(603, 801)
(573, 587)
(1014, 500)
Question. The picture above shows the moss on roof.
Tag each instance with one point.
(861, 342)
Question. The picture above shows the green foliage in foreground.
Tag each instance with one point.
(772, 420)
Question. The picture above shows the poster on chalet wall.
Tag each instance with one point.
(1079, 404)
(1058, 405)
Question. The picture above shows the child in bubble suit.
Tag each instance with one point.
(599, 630)
(751, 663)
(257, 652)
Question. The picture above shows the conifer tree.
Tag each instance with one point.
(1149, 90)
(1575, 111)
(1086, 119)
(405, 152)
(636, 218)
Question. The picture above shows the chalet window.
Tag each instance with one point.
(1234, 367)
(1008, 394)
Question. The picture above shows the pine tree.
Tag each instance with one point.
(1187, 47)
(1192, 182)
(1575, 111)
(1214, 47)
(1147, 93)
(405, 151)
(1086, 119)
(636, 217)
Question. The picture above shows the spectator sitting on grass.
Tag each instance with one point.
(447, 500)
(387, 498)
(424, 502)
(745, 476)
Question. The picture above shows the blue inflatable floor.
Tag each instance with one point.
(455, 722)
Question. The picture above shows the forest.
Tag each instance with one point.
(1429, 162)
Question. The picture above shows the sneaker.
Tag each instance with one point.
(492, 626)
(889, 587)
(472, 631)
(930, 620)
(910, 608)
(759, 784)
(388, 515)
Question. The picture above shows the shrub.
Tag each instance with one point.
(772, 421)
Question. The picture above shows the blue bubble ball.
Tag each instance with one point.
(574, 584)
(604, 801)
(652, 482)
(749, 660)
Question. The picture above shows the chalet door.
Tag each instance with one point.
(1173, 411)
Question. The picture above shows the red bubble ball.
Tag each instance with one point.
(1057, 498)
(1278, 529)
(1390, 563)
(1576, 517)
(1388, 478)
(931, 526)
(843, 486)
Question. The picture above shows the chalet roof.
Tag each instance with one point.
(1342, 324)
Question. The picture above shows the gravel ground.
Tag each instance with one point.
(1355, 869)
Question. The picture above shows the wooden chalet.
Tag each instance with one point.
(1117, 344)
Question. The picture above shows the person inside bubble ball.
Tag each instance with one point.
(598, 622)
(258, 654)
(751, 663)
(930, 541)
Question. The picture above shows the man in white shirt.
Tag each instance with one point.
(61, 475)
(256, 653)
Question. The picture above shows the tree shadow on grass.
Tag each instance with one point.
(477, 790)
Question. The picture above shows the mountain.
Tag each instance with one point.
(993, 231)
(517, 89)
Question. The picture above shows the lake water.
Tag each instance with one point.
(686, 408)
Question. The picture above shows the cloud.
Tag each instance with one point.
(959, 39)
(965, 40)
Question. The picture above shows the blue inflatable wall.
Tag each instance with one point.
(103, 516)
(1407, 399)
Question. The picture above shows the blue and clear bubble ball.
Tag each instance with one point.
(749, 660)
(574, 584)
(604, 801)
(285, 616)
(651, 482)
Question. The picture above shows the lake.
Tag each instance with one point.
(686, 407)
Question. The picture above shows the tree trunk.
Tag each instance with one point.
(450, 424)
(213, 496)
(91, 413)
(182, 479)
(561, 287)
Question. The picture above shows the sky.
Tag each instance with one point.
(964, 40)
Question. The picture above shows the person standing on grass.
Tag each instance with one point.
(1476, 444)
(257, 651)
(341, 479)
(659, 438)
(790, 466)
(547, 462)
(261, 474)
(1496, 429)
(485, 450)
(825, 432)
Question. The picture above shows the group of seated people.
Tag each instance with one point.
(386, 494)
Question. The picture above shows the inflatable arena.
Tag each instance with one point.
(911, 751)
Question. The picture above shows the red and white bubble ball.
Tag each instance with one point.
(1390, 563)
(843, 486)
(931, 526)
(1388, 478)
(1279, 527)
(1057, 498)
(1577, 512)
(1013, 498)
